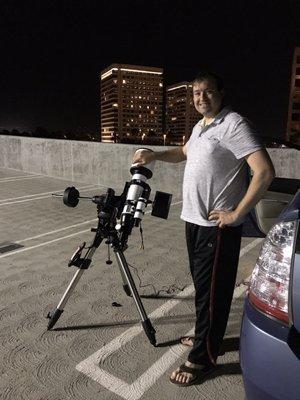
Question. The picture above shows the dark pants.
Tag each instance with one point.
(213, 255)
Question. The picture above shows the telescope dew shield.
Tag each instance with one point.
(138, 193)
(145, 170)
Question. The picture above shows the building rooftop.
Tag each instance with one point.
(94, 346)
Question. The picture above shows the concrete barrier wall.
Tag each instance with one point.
(107, 164)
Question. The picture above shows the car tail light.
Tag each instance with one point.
(269, 286)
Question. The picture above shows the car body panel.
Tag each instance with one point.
(295, 296)
(269, 348)
(270, 366)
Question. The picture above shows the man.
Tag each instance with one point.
(216, 200)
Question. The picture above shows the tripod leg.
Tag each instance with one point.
(56, 313)
(125, 284)
(146, 323)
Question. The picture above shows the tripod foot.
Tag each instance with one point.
(127, 290)
(150, 331)
(53, 316)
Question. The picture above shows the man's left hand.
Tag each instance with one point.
(223, 217)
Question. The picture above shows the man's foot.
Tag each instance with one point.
(190, 340)
(187, 341)
(189, 374)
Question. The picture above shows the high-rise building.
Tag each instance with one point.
(293, 124)
(181, 115)
(131, 103)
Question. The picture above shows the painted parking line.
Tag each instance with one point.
(56, 231)
(42, 194)
(54, 240)
(42, 244)
(42, 197)
(250, 246)
(14, 177)
(21, 179)
(134, 391)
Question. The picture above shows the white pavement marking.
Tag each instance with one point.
(178, 202)
(13, 177)
(57, 230)
(41, 197)
(134, 391)
(20, 179)
(51, 241)
(42, 244)
(250, 246)
(41, 194)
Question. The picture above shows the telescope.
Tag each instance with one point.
(117, 216)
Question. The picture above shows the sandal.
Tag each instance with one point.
(198, 374)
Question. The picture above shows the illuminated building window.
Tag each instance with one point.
(126, 102)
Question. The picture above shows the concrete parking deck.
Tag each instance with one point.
(96, 350)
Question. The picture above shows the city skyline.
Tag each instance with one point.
(137, 106)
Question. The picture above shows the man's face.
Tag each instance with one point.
(207, 98)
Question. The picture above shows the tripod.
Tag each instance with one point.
(108, 210)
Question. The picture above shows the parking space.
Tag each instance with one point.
(97, 350)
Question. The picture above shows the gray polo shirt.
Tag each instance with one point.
(215, 175)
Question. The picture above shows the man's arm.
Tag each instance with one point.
(175, 155)
(263, 174)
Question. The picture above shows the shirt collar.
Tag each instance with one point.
(218, 118)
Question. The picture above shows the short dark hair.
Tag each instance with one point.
(204, 75)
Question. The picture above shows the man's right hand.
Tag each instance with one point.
(143, 157)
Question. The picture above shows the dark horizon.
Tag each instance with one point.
(53, 53)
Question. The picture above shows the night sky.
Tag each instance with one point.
(53, 51)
